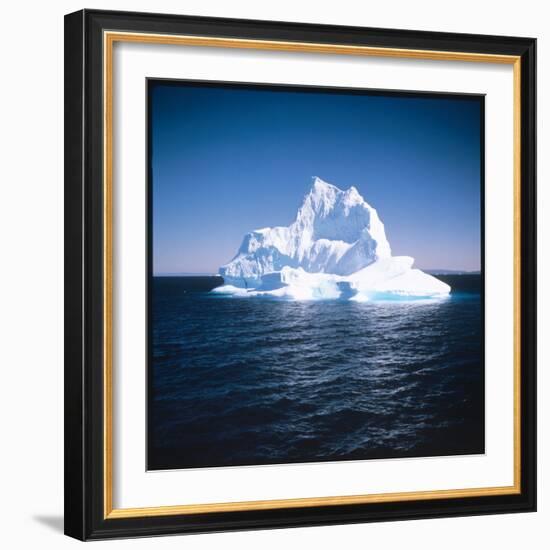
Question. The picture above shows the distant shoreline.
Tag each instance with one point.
(450, 272)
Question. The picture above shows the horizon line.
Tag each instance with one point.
(440, 271)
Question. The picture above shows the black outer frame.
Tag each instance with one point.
(84, 515)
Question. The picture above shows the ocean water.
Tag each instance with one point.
(237, 381)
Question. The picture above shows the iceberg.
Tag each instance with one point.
(335, 249)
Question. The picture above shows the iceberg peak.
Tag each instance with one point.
(326, 194)
(336, 233)
(321, 185)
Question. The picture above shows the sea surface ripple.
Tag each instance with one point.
(250, 381)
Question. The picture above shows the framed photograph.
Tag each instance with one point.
(300, 274)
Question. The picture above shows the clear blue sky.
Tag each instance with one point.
(228, 160)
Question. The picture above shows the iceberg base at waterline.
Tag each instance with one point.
(391, 279)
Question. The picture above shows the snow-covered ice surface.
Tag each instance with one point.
(335, 249)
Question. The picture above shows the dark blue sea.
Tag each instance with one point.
(236, 381)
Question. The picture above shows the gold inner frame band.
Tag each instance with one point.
(109, 39)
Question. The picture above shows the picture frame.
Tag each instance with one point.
(92, 437)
